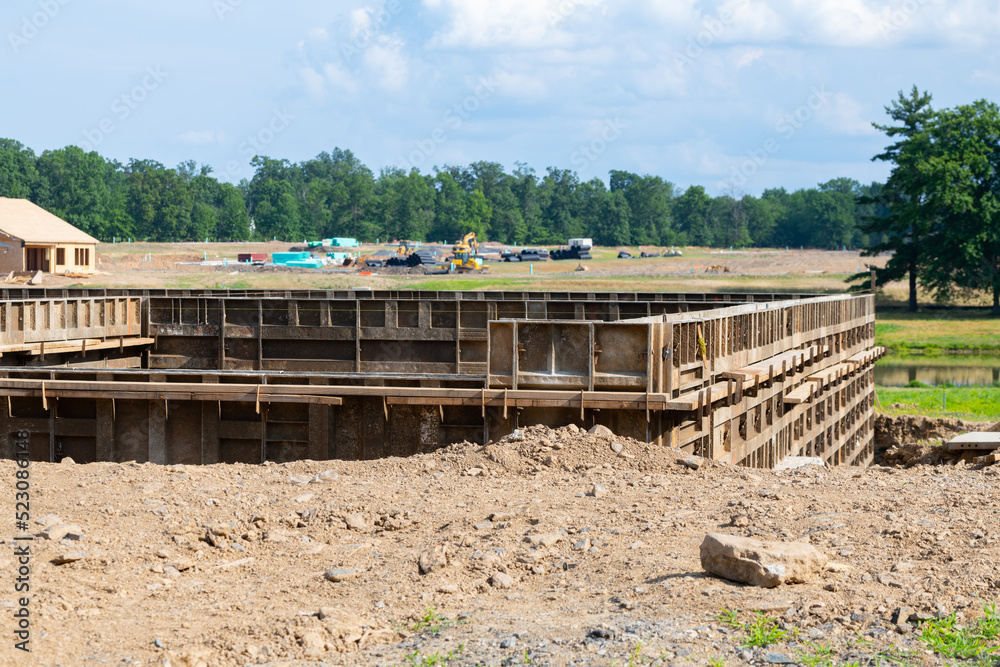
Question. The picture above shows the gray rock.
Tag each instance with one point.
(746, 656)
(49, 520)
(901, 615)
(59, 531)
(601, 431)
(888, 580)
(355, 521)
(275, 536)
(777, 659)
(501, 580)
(544, 540)
(692, 462)
(766, 564)
(582, 545)
(69, 557)
(433, 559)
(182, 564)
(616, 447)
(598, 491)
(339, 574)
(510, 642)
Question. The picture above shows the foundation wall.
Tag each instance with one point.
(206, 377)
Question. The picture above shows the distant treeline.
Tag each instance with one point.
(336, 195)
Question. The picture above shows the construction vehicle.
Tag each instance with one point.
(465, 254)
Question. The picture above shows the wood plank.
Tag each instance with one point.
(63, 347)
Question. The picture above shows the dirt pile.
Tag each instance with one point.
(568, 449)
(554, 546)
(898, 430)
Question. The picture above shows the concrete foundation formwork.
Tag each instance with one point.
(223, 376)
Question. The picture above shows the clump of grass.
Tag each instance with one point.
(953, 640)
(432, 622)
(433, 659)
(729, 617)
(635, 655)
(762, 631)
(821, 655)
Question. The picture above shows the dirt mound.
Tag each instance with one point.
(570, 449)
(898, 430)
(496, 554)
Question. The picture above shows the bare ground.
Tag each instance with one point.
(226, 564)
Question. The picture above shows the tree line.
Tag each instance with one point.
(940, 206)
(335, 194)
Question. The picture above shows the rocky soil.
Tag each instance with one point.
(558, 547)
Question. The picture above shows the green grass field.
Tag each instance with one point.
(938, 332)
(973, 403)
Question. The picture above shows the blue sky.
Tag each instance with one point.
(738, 96)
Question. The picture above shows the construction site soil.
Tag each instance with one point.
(547, 547)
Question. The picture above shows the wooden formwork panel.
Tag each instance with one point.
(209, 321)
(390, 374)
(24, 323)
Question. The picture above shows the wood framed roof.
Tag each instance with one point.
(34, 225)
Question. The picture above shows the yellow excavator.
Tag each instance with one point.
(465, 254)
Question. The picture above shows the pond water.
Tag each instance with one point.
(964, 372)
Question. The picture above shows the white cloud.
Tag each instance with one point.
(701, 156)
(360, 20)
(507, 23)
(318, 34)
(313, 81)
(845, 115)
(746, 57)
(986, 76)
(339, 77)
(838, 23)
(659, 82)
(201, 137)
(520, 84)
(386, 63)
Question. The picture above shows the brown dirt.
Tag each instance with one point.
(898, 430)
(166, 576)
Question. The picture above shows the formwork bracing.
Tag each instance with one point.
(225, 376)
